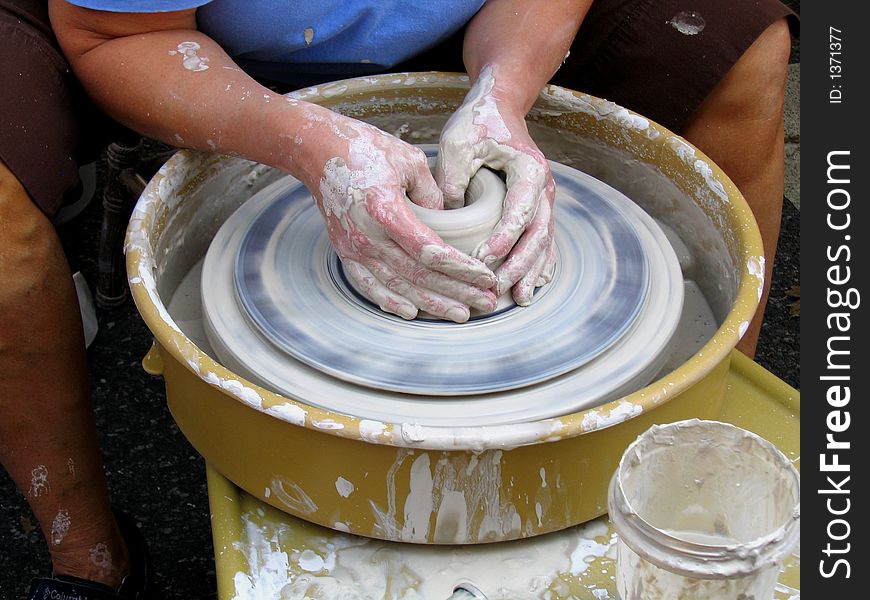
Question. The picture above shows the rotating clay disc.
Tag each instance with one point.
(291, 286)
(279, 310)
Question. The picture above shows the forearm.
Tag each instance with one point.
(161, 85)
(524, 42)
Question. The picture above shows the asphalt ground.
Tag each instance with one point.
(156, 476)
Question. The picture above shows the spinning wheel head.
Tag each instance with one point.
(280, 309)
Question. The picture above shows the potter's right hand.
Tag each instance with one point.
(359, 176)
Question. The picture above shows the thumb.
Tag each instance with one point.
(452, 173)
(421, 187)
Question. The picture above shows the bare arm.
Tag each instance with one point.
(525, 41)
(131, 65)
(160, 76)
(512, 48)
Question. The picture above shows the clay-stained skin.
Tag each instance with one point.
(190, 59)
(484, 131)
(39, 485)
(395, 260)
(100, 556)
(60, 526)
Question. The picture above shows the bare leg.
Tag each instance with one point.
(740, 126)
(48, 440)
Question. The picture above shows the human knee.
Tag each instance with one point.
(774, 47)
(29, 247)
(777, 40)
(9, 184)
(763, 69)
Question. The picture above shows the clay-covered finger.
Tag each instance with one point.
(525, 288)
(370, 287)
(424, 245)
(427, 300)
(454, 168)
(421, 276)
(550, 267)
(531, 249)
(520, 205)
(420, 184)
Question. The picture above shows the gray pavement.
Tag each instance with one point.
(793, 136)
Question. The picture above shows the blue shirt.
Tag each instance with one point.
(308, 41)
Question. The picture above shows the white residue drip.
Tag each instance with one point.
(60, 526)
(688, 22)
(311, 561)
(755, 266)
(462, 491)
(288, 412)
(344, 487)
(268, 566)
(596, 107)
(249, 395)
(370, 430)
(419, 503)
(340, 566)
(597, 419)
(293, 496)
(704, 169)
(39, 485)
(587, 550)
(333, 90)
(190, 59)
(682, 149)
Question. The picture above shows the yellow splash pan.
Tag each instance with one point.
(448, 485)
(260, 551)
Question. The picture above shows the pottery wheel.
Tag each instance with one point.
(279, 310)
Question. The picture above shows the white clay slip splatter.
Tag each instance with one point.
(755, 266)
(688, 22)
(190, 60)
(288, 412)
(371, 430)
(100, 556)
(344, 487)
(39, 485)
(310, 561)
(60, 526)
(293, 496)
(355, 568)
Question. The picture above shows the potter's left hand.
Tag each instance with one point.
(488, 131)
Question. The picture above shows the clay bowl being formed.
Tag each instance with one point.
(407, 482)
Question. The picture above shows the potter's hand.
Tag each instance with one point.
(395, 260)
(488, 131)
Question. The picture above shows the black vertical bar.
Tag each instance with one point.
(835, 225)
